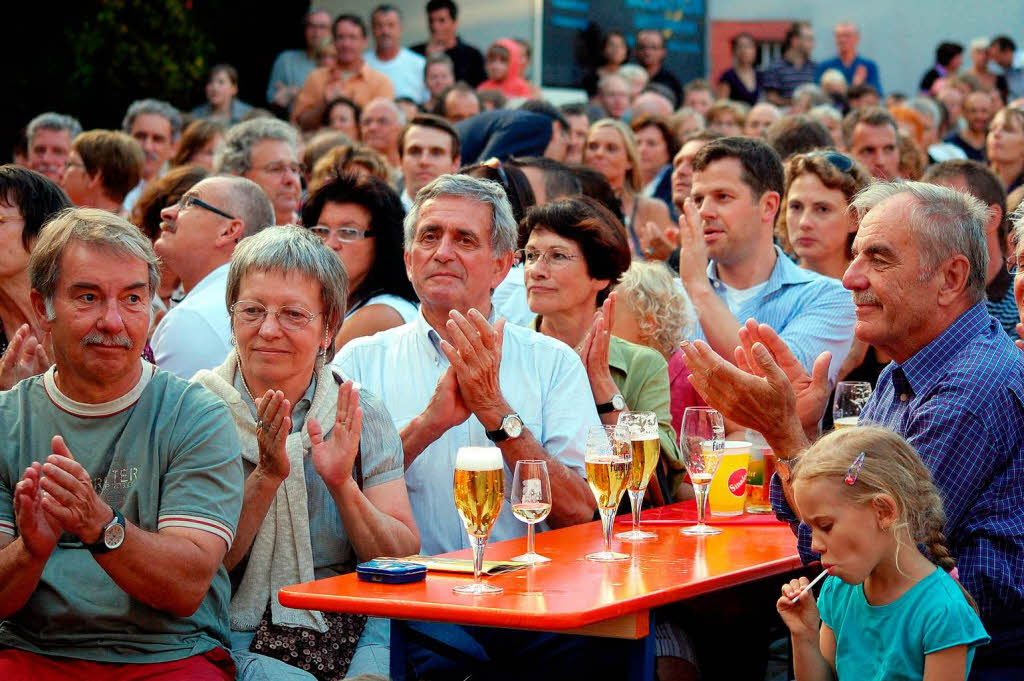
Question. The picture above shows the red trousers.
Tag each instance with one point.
(18, 665)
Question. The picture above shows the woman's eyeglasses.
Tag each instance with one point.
(289, 317)
(344, 234)
(555, 259)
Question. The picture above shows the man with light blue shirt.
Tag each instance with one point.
(197, 237)
(458, 377)
(732, 270)
(292, 67)
(455, 377)
(403, 66)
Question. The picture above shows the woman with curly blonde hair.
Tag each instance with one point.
(354, 158)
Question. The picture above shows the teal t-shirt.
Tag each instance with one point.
(889, 642)
(174, 462)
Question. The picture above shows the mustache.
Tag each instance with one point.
(103, 339)
(865, 298)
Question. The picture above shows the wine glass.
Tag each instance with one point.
(479, 495)
(702, 443)
(531, 502)
(646, 447)
(609, 461)
(850, 399)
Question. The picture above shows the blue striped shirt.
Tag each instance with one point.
(960, 402)
(809, 311)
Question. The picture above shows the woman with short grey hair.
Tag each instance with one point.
(324, 468)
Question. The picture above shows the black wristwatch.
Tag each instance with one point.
(111, 536)
(618, 403)
(511, 427)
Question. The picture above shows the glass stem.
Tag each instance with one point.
(607, 514)
(529, 539)
(478, 556)
(701, 493)
(636, 500)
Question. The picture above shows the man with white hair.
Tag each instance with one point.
(49, 137)
(760, 118)
(380, 125)
(613, 95)
(653, 100)
(197, 238)
(856, 69)
(156, 126)
(265, 150)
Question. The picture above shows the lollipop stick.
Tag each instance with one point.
(814, 581)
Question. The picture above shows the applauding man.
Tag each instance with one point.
(457, 376)
(120, 484)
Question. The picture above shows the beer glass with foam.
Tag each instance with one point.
(646, 447)
(479, 495)
(609, 464)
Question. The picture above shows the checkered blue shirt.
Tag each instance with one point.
(960, 402)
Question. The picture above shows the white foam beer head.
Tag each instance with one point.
(478, 459)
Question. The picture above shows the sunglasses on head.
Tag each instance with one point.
(841, 162)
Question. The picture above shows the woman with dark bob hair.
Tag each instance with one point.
(575, 253)
(359, 217)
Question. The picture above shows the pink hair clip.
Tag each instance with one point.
(854, 470)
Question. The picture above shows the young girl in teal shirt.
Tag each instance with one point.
(886, 610)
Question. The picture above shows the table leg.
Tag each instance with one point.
(641, 655)
(399, 639)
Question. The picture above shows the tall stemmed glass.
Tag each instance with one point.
(531, 502)
(646, 447)
(702, 443)
(850, 399)
(608, 461)
(479, 495)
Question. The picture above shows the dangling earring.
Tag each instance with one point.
(232, 339)
(323, 348)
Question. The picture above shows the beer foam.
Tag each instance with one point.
(478, 459)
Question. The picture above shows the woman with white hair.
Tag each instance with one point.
(324, 486)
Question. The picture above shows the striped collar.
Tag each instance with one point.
(84, 410)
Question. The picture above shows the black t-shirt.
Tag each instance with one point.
(469, 63)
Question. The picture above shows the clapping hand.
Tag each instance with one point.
(657, 243)
(37, 529)
(26, 356)
(273, 423)
(475, 356)
(69, 496)
(693, 250)
(334, 458)
(593, 351)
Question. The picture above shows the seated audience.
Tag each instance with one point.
(650, 54)
(558, 147)
(799, 134)
(402, 66)
(428, 147)
(503, 134)
(156, 126)
(380, 124)
(1004, 145)
(349, 158)
(438, 76)
(359, 217)
(443, 24)
(978, 110)
(49, 136)
(872, 136)
(265, 151)
(760, 118)
(793, 68)
(614, 52)
(656, 146)
(686, 122)
(503, 64)
(459, 102)
(342, 114)
(698, 95)
(197, 237)
(613, 95)
(292, 67)
(727, 117)
(741, 82)
(321, 457)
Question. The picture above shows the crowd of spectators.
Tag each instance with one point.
(241, 346)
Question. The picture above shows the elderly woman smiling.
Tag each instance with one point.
(324, 469)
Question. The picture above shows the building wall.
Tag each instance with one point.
(901, 36)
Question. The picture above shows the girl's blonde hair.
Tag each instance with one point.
(892, 468)
(663, 311)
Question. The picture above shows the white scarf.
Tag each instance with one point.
(281, 553)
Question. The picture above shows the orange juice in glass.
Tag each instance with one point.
(728, 490)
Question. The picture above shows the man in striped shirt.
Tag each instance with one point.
(733, 271)
(120, 484)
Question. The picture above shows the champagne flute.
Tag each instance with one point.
(850, 399)
(702, 443)
(479, 495)
(531, 502)
(646, 448)
(609, 461)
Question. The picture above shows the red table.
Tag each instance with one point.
(571, 594)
